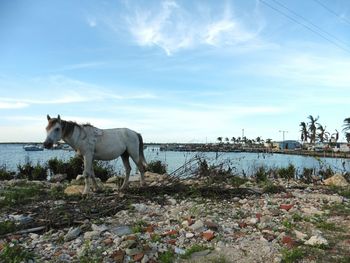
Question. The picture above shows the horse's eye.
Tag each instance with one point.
(57, 129)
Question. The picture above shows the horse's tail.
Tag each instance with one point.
(141, 155)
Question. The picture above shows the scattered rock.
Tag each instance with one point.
(208, 235)
(286, 207)
(197, 226)
(336, 180)
(57, 178)
(73, 233)
(74, 190)
(316, 240)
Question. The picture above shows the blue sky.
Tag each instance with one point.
(176, 71)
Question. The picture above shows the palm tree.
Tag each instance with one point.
(227, 140)
(323, 134)
(219, 139)
(304, 132)
(233, 140)
(258, 139)
(346, 124)
(312, 128)
(347, 136)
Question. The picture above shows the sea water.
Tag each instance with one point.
(12, 155)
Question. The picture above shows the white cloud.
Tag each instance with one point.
(307, 69)
(59, 89)
(173, 28)
(12, 105)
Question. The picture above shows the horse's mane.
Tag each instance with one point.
(68, 127)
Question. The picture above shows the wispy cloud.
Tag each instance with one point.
(12, 104)
(85, 65)
(306, 68)
(70, 91)
(172, 28)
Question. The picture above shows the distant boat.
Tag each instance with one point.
(32, 148)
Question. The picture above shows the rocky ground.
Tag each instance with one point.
(176, 221)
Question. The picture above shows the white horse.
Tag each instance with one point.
(98, 144)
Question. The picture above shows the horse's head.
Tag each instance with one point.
(54, 131)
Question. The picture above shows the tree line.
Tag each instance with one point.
(313, 131)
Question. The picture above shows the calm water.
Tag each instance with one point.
(243, 163)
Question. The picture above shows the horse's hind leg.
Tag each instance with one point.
(87, 173)
(125, 159)
(142, 170)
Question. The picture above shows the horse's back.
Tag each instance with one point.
(114, 142)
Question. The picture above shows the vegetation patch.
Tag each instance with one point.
(193, 249)
(156, 167)
(167, 257)
(7, 227)
(20, 194)
(90, 255)
(14, 253)
(292, 255)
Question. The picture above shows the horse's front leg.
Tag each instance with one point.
(87, 173)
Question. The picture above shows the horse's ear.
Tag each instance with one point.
(48, 117)
(59, 118)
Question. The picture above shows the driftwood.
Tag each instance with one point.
(25, 231)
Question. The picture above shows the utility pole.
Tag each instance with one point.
(242, 133)
(283, 133)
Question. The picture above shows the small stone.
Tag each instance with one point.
(179, 251)
(286, 207)
(132, 251)
(299, 235)
(73, 233)
(189, 235)
(208, 235)
(236, 199)
(197, 226)
(316, 240)
(242, 224)
(91, 235)
(253, 221)
(108, 241)
(138, 256)
(288, 241)
(99, 228)
(172, 201)
(211, 225)
(121, 230)
(118, 256)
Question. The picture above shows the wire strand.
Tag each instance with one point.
(306, 26)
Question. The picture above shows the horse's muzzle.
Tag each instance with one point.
(48, 144)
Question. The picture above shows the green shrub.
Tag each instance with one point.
(156, 167)
(167, 257)
(25, 171)
(39, 173)
(271, 188)
(288, 172)
(5, 174)
(15, 253)
(292, 255)
(103, 170)
(306, 176)
(7, 227)
(326, 172)
(56, 166)
(261, 174)
(20, 194)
